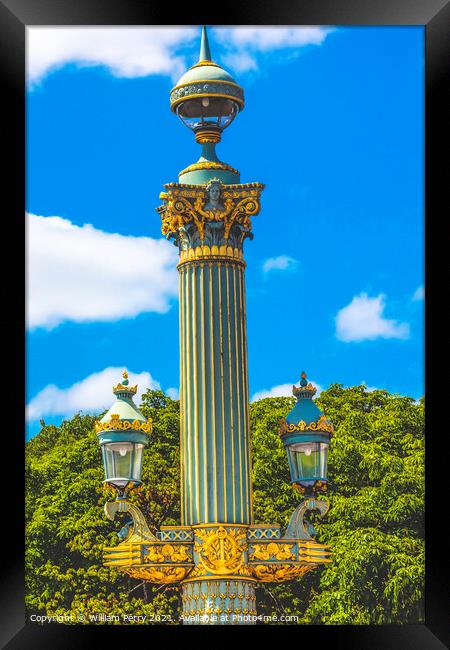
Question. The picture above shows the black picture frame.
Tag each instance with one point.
(15, 15)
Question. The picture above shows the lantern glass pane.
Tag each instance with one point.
(308, 461)
(122, 461)
(137, 461)
(323, 460)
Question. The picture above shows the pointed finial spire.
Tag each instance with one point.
(306, 389)
(124, 387)
(205, 53)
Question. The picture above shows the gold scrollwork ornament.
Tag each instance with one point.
(167, 553)
(272, 551)
(280, 573)
(238, 207)
(116, 424)
(160, 574)
(222, 550)
(322, 424)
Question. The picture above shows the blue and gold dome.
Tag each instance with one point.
(305, 409)
(124, 414)
(206, 79)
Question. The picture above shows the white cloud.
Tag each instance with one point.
(271, 38)
(243, 46)
(91, 395)
(280, 263)
(81, 274)
(363, 320)
(282, 390)
(173, 393)
(419, 294)
(142, 51)
(240, 61)
(126, 51)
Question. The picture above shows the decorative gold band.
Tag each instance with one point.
(208, 165)
(206, 253)
(201, 81)
(115, 424)
(202, 63)
(121, 388)
(207, 136)
(224, 577)
(233, 98)
(321, 425)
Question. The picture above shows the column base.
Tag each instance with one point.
(219, 602)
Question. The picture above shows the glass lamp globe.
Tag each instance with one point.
(202, 113)
(308, 462)
(122, 461)
(206, 98)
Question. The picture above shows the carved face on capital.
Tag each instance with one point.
(213, 191)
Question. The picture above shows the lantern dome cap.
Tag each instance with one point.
(124, 414)
(206, 78)
(305, 411)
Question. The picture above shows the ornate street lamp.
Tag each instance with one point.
(122, 434)
(306, 433)
(218, 555)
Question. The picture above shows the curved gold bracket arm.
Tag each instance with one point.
(138, 531)
(298, 528)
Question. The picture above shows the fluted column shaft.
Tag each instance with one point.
(215, 446)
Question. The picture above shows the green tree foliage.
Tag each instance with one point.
(375, 521)
(374, 526)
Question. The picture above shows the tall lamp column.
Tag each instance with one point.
(218, 554)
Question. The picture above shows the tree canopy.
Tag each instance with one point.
(375, 524)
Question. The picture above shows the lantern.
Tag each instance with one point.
(306, 434)
(122, 434)
(206, 98)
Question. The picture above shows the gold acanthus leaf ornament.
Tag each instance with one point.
(183, 207)
(116, 424)
(123, 388)
(160, 574)
(322, 424)
(280, 572)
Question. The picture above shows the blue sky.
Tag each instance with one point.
(333, 125)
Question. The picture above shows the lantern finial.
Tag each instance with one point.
(205, 52)
(306, 389)
(123, 386)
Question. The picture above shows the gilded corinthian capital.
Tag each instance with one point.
(210, 215)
